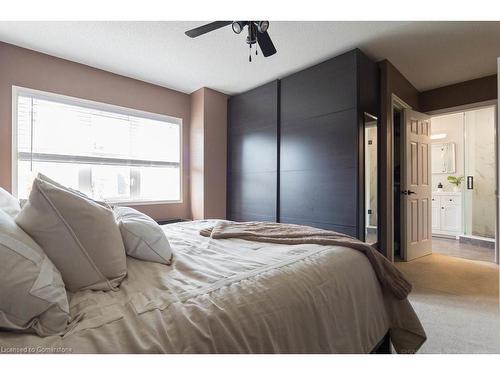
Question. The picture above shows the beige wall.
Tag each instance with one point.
(196, 154)
(26, 68)
(215, 154)
(208, 135)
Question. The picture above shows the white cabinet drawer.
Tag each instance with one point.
(447, 214)
(450, 200)
(450, 218)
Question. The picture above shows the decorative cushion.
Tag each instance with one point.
(142, 236)
(80, 237)
(8, 203)
(77, 192)
(32, 294)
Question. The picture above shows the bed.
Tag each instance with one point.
(236, 296)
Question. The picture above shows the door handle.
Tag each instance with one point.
(470, 182)
(407, 192)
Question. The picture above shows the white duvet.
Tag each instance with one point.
(236, 296)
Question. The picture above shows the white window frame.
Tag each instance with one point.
(18, 90)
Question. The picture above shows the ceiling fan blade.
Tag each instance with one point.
(266, 44)
(193, 33)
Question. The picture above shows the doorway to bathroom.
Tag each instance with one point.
(463, 162)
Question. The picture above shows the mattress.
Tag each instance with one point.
(235, 296)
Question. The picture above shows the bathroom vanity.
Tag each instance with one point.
(446, 213)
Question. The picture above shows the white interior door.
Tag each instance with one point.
(416, 196)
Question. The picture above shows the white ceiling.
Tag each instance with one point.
(429, 54)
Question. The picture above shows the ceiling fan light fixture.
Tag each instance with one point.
(262, 26)
(237, 26)
(257, 34)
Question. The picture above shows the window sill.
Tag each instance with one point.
(125, 203)
(142, 203)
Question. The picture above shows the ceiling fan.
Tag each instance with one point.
(257, 33)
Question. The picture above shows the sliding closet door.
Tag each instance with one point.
(319, 146)
(253, 154)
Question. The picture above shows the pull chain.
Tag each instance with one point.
(250, 54)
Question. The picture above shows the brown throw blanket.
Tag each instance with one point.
(290, 234)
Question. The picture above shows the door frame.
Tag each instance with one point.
(399, 104)
(470, 107)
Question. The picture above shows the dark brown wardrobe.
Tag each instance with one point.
(296, 146)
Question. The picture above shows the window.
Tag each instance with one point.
(109, 153)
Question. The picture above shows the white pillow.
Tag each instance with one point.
(142, 236)
(8, 203)
(79, 236)
(32, 294)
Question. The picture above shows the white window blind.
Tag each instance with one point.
(108, 154)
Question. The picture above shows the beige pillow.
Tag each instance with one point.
(142, 236)
(80, 237)
(8, 203)
(32, 294)
(77, 192)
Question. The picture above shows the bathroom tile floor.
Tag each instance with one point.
(454, 248)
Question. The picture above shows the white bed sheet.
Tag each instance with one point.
(236, 296)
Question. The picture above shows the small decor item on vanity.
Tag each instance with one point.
(456, 182)
(440, 187)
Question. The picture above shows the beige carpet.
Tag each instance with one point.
(457, 302)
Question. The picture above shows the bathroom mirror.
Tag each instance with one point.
(371, 183)
(443, 158)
